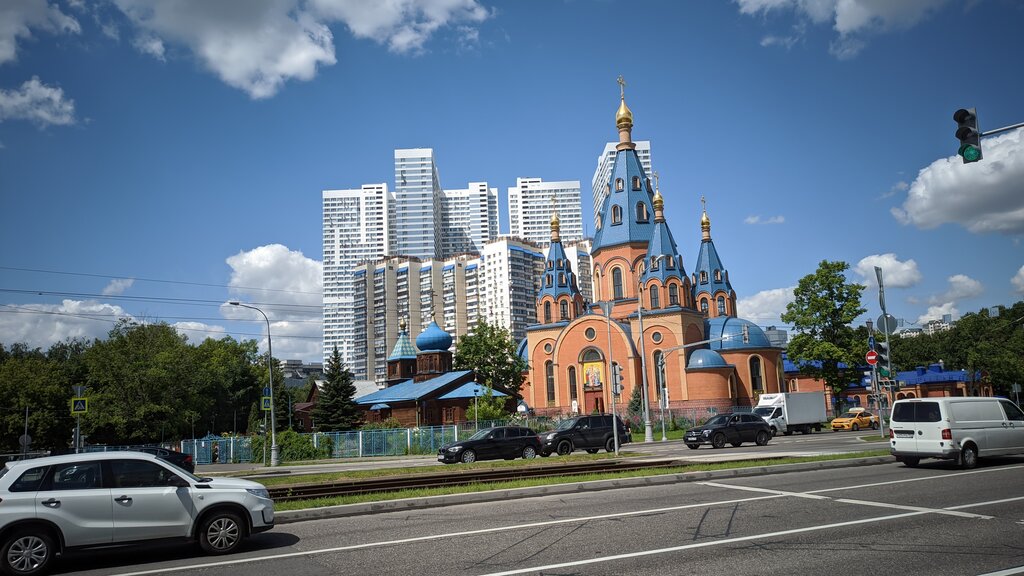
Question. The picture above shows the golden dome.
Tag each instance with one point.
(658, 202)
(704, 220)
(556, 222)
(623, 116)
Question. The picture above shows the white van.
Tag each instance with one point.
(955, 428)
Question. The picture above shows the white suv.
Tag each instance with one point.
(49, 505)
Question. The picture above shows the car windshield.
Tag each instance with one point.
(718, 420)
(764, 411)
(481, 434)
(566, 424)
(850, 415)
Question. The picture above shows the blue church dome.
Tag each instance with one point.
(703, 358)
(433, 339)
(726, 333)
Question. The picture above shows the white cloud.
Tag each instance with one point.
(984, 196)
(34, 101)
(851, 19)
(770, 220)
(896, 188)
(197, 332)
(937, 312)
(42, 325)
(286, 285)
(118, 286)
(1018, 281)
(765, 307)
(265, 43)
(960, 287)
(895, 274)
(19, 17)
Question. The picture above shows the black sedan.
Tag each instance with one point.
(508, 442)
(732, 428)
(183, 461)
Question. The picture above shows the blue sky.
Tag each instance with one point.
(160, 158)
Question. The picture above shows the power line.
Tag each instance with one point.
(99, 316)
(157, 299)
(182, 282)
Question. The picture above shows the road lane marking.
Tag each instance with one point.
(1007, 572)
(947, 511)
(765, 490)
(936, 477)
(1003, 501)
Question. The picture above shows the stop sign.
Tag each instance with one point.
(871, 357)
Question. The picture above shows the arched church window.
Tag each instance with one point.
(718, 275)
(636, 182)
(703, 276)
(655, 298)
(756, 378)
(561, 279)
(547, 312)
(654, 262)
(559, 264)
(721, 305)
(648, 184)
(616, 214)
(641, 212)
(618, 184)
(673, 295)
(704, 306)
(564, 309)
(671, 262)
(617, 283)
(547, 280)
(549, 369)
(573, 394)
(550, 265)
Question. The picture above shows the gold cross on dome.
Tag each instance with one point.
(655, 180)
(622, 87)
(703, 203)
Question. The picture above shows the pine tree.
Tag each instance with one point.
(335, 407)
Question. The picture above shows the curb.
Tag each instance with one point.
(364, 508)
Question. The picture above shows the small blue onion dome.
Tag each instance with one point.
(433, 339)
(703, 358)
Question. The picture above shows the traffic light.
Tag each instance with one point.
(616, 379)
(882, 349)
(968, 133)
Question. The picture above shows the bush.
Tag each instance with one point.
(294, 446)
(389, 424)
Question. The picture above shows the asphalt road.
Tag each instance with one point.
(884, 519)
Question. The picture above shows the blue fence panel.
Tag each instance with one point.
(429, 439)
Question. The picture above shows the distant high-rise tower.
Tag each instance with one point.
(606, 161)
(416, 214)
(355, 229)
(508, 283)
(469, 219)
(530, 207)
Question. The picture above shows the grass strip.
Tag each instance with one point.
(527, 483)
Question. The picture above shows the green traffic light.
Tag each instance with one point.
(970, 153)
(884, 372)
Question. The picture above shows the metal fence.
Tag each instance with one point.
(222, 449)
(393, 442)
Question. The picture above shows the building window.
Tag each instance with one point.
(704, 306)
(564, 309)
(655, 298)
(756, 378)
(656, 337)
(641, 212)
(547, 312)
(617, 283)
(616, 214)
(721, 305)
(549, 368)
(547, 281)
(636, 182)
(561, 278)
(618, 184)
(703, 276)
(547, 348)
(573, 394)
(550, 265)
(718, 275)
(654, 262)
(673, 295)
(590, 333)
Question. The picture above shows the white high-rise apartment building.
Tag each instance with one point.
(469, 219)
(531, 202)
(511, 270)
(603, 173)
(416, 213)
(355, 229)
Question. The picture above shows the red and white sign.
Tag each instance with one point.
(871, 357)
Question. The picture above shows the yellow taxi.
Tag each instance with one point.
(855, 419)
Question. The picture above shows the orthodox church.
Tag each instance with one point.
(653, 324)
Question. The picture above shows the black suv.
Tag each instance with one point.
(508, 442)
(590, 433)
(732, 428)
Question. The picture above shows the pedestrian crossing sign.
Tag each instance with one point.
(79, 405)
(266, 403)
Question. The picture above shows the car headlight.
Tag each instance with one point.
(706, 433)
(454, 448)
(550, 436)
(259, 492)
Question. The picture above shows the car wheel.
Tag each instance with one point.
(693, 446)
(718, 440)
(736, 444)
(911, 462)
(529, 453)
(762, 438)
(774, 431)
(874, 425)
(221, 533)
(564, 448)
(610, 445)
(27, 552)
(468, 456)
(592, 450)
(968, 457)
(855, 427)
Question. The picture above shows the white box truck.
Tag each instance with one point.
(790, 412)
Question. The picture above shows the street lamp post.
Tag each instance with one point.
(648, 428)
(274, 449)
(664, 394)
(607, 306)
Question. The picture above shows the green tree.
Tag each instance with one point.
(487, 406)
(823, 308)
(335, 406)
(636, 402)
(491, 352)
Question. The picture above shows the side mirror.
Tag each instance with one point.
(177, 482)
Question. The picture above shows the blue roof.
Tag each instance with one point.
(558, 278)
(521, 350)
(411, 390)
(403, 348)
(379, 406)
(469, 390)
(664, 245)
(790, 367)
(627, 166)
(707, 262)
(726, 333)
(704, 358)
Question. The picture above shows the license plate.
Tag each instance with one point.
(440, 457)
